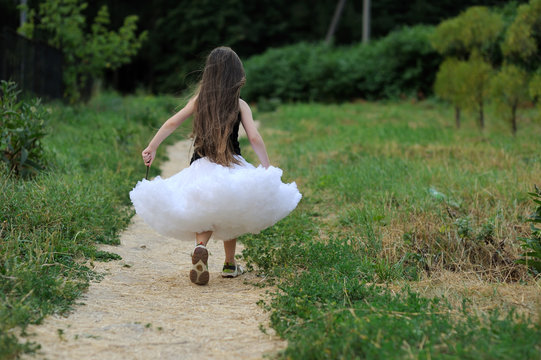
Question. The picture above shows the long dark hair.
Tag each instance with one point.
(217, 106)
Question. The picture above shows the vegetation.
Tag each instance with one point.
(480, 40)
(532, 245)
(509, 89)
(23, 125)
(392, 196)
(450, 83)
(522, 39)
(86, 53)
(475, 30)
(49, 226)
(394, 66)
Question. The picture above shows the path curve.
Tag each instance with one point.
(145, 307)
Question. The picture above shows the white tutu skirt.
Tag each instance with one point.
(229, 201)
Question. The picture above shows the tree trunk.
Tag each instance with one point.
(481, 116)
(366, 21)
(457, 117)
(514, 118)
(335, 20)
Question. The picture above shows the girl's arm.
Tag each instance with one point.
(253, 135)
(167, 128)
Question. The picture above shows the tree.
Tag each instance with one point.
(475, 30)
(477, 73)
(509, 88)
(523, 38)
(450, 84)
(86, 53)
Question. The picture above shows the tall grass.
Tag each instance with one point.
(51, 224)
(393, 192)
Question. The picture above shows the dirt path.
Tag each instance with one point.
(147, 308)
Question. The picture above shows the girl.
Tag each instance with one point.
(220, 193)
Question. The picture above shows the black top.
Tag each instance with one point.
(233, 140)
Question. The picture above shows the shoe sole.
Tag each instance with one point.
(199, 274)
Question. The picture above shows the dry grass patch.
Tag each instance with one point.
(482, 296)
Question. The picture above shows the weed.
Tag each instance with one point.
(532, 245)
(23, 127)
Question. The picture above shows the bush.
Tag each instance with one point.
(22, 125)
(403, 63)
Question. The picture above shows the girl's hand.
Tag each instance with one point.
(148, 156)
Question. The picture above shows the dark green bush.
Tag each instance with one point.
(22, 127)
(403, 63)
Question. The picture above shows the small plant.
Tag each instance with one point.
(22, 127)
(532, 245)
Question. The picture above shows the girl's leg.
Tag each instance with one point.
(230, 247)
(203, 238)
(200, 273)
(231, 269)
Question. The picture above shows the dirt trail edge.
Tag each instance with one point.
(145, 307)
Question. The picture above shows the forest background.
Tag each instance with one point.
(181, 33)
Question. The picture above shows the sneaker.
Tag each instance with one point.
(200, 272)
(231, 270)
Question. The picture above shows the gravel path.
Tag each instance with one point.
(146, 307)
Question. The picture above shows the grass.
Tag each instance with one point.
(50, 225)
(395, 198)
(398, 208)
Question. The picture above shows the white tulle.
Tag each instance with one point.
(230, 201)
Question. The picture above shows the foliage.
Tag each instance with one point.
(509, 88)
(49, 226)
(22, 128)
(475, 30)
(532, 245)
(395, 65)
(450, 84)
(86, 53)
(188, 30)
(390, 195)
(476, 36)
(523, 38)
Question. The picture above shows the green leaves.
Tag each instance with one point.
(22, 127)
(476, 29)
(86, 53)
(522, 38)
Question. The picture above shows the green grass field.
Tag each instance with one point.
(395, 195)
(396, 204)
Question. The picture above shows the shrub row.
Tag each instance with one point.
(403, 63)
